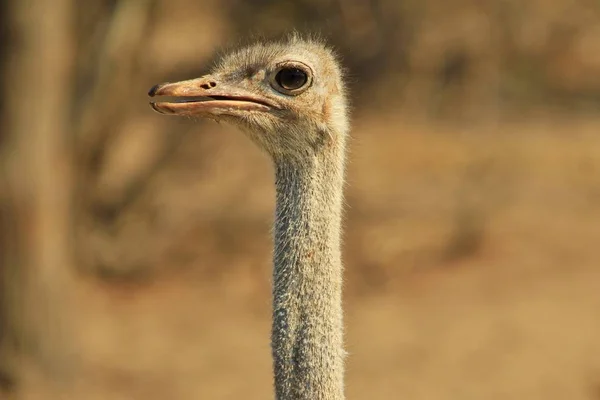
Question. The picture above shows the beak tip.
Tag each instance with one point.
(154, 89)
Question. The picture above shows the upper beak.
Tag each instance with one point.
(206, 96)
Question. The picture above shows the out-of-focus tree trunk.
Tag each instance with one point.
(35, 201)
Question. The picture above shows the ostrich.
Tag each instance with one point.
(289, 98)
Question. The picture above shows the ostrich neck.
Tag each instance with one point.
(307, 335)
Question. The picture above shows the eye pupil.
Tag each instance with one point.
(291, 78)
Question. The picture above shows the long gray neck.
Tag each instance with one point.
(307, 335)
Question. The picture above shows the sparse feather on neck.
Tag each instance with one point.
(307, 336)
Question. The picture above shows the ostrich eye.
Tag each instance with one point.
(291, 78)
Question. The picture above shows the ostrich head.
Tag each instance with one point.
(287, 96)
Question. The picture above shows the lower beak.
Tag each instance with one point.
(206, 96)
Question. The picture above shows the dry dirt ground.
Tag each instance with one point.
(472, 272)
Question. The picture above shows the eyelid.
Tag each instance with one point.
(294, 64)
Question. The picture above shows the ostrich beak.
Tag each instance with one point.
(207, 96)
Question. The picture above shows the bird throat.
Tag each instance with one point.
(307, 334)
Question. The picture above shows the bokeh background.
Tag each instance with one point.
(135, 248)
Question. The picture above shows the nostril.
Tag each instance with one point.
(208, 85)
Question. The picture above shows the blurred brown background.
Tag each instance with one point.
(135, 248)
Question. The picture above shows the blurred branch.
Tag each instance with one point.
(105, 109)
(106, 184)
(114, 72)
